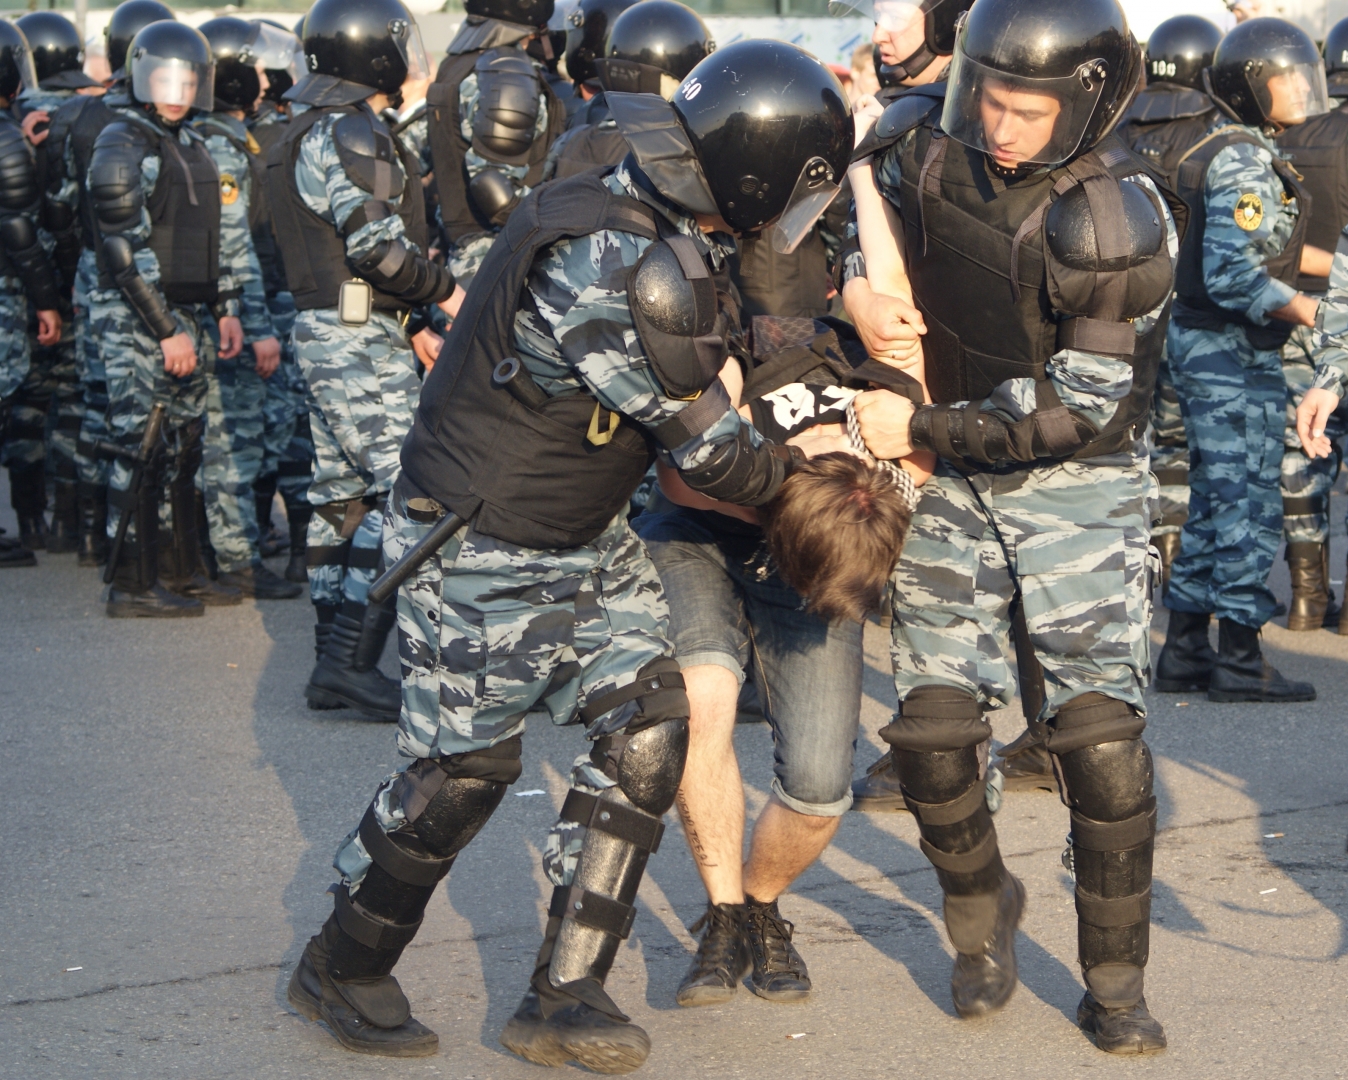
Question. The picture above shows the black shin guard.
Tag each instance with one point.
(1106, 773)
(944, 787)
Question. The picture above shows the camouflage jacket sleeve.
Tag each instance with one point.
(330, 193)
(1331, 327)
(1247, 224)
(474, 162)
(238, 256)
(580, 291)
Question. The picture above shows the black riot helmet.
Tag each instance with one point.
(372, 43)
(282, 60)
(1070, 66)
(129, 18)
(1336, 58)
(587, 31)
(58, 53)
(652, 46)
(759, 133)
(1267, 66)
(1179, 49)
(170, 63)
(16, 62)
(520, 12)
(237, 84)
(939, 19)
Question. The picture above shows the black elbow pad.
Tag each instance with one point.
(18, 173)
(965, 433)
(18, 236)
(392, 267)
(738, 473)
(114, 180)
(145, 300)
(493, 195)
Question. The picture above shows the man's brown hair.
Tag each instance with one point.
(835, 531)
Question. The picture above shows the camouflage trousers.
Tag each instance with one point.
(1169, 454)
(288, 449)
(93, 379)
(488, 632)
(1071, 539)
(16, 357)
(136, 380)
(45, 423)
(1306, 482)
(1235, 403)
(363, 391)
(232, 452)
(465, 257)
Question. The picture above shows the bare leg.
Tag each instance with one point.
(785, 843)
(711, 796)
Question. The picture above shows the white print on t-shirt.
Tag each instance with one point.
(796, 403)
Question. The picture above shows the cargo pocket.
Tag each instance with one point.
(522, 644)
(1074, 585)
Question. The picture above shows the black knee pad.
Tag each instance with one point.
(932, 719)
(939, 776)
(647, 764)
(1108, 782)
(446, 801)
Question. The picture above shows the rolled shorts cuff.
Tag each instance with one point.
(837, 808)
(710, 654)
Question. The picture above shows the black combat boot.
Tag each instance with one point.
(93, 524)
(13, 553)
(28, 496)
(65, 519)
(722, 958)
(259, 583)
(779, 973)
(324, 616)
(270, 540)
(1242, 673)
(184, 570)
(1167, 545)
(1313, 602)
(878, 790)
(1025, 765)
(345, 675)
(136, 591)
(983, 981)
(1187, 659)
(297, 516)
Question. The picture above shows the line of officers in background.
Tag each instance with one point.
(223, 275)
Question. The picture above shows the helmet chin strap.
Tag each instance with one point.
(1013, 172)
(914, 65)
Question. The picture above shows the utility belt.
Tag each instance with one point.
(1264, 338)
(346, 517)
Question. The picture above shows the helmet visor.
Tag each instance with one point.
(892, 15)
(815, 188)
(407, 36)
(1292, 94)
(1018, 120)
(274, 49)
(168, 80)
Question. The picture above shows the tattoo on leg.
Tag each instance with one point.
(694, 841)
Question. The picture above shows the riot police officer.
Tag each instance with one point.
(162, 271)
(646, 53)
(234, 446)
(492, 117)
(587, 31)
(345, 202)
(1318, 150)
(70, 218)
(1040, 361)
(1237, 303)
(542, 595)
(1168, 116)
(26, 273)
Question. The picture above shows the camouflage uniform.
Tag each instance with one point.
(232, 446)
(93, 377)
(15, 354)
(1234, 398)
(363, 390)
(1306, 482)
(1330, 340)
(1169, 455)
(489, 630)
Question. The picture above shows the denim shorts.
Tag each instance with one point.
(727, 606)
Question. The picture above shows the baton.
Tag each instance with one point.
(141, 457)
(387, 583)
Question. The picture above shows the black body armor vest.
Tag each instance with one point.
(1163, 122)
(588, 147)
(1194, 308)
(1318, 150)
(448, 146)
(184, 212)
(532, 476)
(264, 235)
(317, 266)
(771, 283)
(979, 271)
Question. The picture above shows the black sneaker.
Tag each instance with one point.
(1121, 1031)
(722, 958)
(779, 973)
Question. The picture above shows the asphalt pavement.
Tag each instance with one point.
(172, 807)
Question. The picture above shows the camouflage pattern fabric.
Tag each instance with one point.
(1234, 396)
(15, 354)
(335, 585)
(1085, 580)
(1169, 453)
(488, 632)
(93, 378)
(287, 447)
(1303, 477)
(1330, 339)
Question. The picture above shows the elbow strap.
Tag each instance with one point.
(145, 300)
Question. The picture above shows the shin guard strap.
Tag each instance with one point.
(1119, 911)
(1091, 835)
(590, 909)
(632, 826)
(400, 863)
(648, 682)
(949, 813)
(369, 930)
(966, 862)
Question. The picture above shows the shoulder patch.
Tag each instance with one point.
(229, 189)
(1249, 211)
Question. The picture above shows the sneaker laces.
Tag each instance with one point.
(720, 943)
(775, 933)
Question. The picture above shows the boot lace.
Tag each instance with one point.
(720, 944)
(774, 932)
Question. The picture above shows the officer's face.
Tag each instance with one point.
(173, 90)
(900, 30)
(1017, 123)
(1291, 94)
